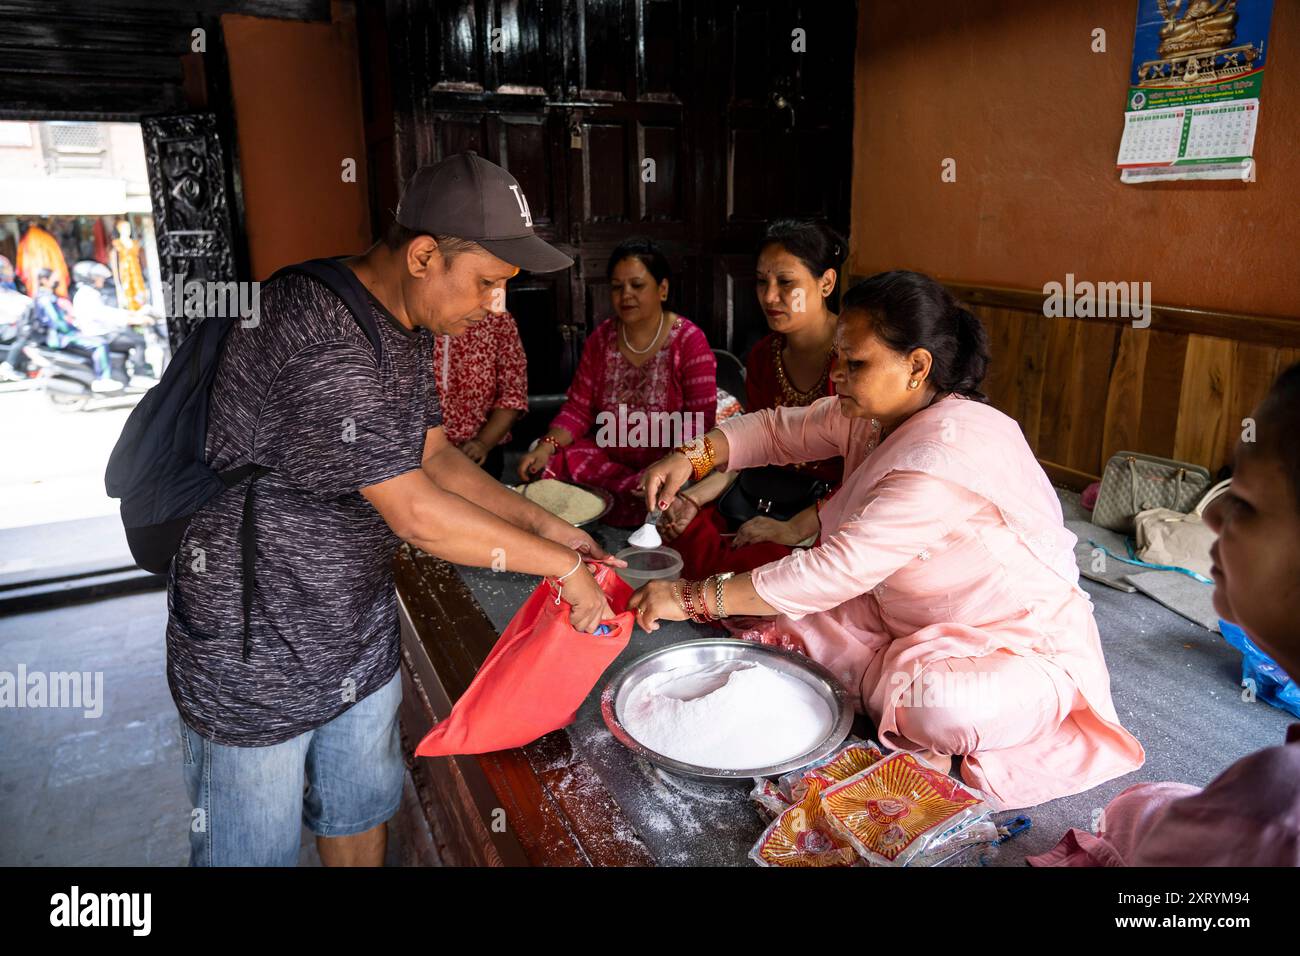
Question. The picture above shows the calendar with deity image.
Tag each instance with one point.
(1194, 90)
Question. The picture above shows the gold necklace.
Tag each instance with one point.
(791, 395)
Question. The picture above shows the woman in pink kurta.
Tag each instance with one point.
(647, 381)
(943, 589)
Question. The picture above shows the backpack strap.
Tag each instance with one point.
(345, 285)
(247, 539)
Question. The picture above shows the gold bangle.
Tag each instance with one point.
(701, 455)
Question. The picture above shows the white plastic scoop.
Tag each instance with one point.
(647, 536)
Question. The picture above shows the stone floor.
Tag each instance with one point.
(77, 790)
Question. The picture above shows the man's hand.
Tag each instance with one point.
(653, 602)
(561, 532)
(587, 600)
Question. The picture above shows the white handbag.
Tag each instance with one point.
(1173, 539)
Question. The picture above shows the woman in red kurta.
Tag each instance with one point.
(647, 381)
(482, 381)
(797, 272)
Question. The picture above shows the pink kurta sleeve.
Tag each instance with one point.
(578, 414)
(904, 513)
(782, 436)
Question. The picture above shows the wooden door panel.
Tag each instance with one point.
(605, 163)
(518, 48)
(456, 43)
(525, 148)
(660, 52)
(608, 32)
(660, 198)
(458, 132)
(692, 86)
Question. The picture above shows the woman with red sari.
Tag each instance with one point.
(647, 381)
(716, 525)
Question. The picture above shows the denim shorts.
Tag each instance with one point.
(340, 779)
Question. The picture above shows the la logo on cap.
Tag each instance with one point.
(522, 200)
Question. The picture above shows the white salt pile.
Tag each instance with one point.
(732, 715)
(646, 536)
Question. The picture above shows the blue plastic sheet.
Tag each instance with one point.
(1271, 684)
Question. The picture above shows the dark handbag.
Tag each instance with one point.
(770, 491)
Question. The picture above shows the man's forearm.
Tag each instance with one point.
(451, 471)
(465, 532)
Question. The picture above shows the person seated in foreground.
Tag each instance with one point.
(1250, 814)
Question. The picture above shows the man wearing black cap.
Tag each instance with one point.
(358, 460)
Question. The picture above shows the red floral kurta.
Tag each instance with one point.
(480, 370)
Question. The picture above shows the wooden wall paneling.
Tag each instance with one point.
(1004, 328)
(1202, 416)
(1062, 384)
(1123, 417)
(1162, 383)
(1031, 375)
(1095, 359)
(1254, 367)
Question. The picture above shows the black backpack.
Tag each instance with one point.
(158, 465)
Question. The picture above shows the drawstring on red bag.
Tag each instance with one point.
(556, 582)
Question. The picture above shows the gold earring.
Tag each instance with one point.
(913, 383)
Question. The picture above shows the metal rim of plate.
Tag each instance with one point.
(600, 493)
(787, 662)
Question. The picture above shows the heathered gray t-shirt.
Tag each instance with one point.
(299, 392)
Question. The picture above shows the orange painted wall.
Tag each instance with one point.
(1013, 92)
(297, 93)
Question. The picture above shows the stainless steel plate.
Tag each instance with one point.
(709, 651)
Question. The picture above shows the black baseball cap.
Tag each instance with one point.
(468, 197)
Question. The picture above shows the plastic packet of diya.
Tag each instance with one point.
(899, 809)
(771, 802)
(801, 836)
(853, 758)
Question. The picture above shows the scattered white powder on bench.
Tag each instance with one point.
(732, 715)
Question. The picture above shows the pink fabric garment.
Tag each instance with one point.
(947, 541)
(680, 378)
(1248, 816)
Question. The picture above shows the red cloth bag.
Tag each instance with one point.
(537, 676)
